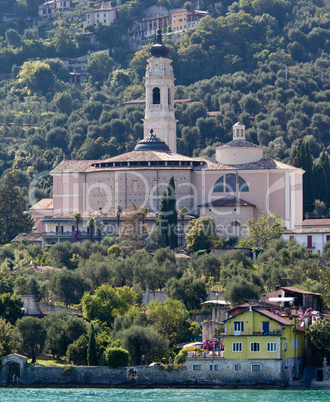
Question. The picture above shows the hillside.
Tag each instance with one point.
(265, 63)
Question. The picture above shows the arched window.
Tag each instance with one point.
(169, 96)
(156, 96)
(218, 187)
(235, 224)
(228, 184)
(242, 185)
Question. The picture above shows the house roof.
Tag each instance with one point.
(45, 203)
(31, 237)
(228, 201)
(264, 312)
(31, 307)
(316, 222)
(297, 290)
(307, 230)
(73, 166)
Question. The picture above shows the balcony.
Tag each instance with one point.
(206, 355)
(254, 333)
(309, 245)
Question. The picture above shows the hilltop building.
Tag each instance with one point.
(49, 8)
(235, 185)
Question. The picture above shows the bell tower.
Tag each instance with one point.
(159, 84)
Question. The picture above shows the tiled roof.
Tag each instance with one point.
(32, 237)
(297, 290)
(307, 230)
(316, 222)
(228, 201)
(72, 166)
(45, 203)
(31, 307)
(262, 164)
(139, 156)
(274, 317)
(239, 144)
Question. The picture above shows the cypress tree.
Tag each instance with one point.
(320, 181)
(162, 221)
(172, 214)
(91, 350)
(306, 163)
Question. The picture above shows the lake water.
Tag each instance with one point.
(163, 395)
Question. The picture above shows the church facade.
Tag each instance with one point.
(234, 186)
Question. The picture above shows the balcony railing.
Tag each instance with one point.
(206, 355)
(254, 333)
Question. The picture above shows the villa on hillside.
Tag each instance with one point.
(49, 8)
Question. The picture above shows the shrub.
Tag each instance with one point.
(116, 357)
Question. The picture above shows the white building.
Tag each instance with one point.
(49, 8)
(311, 233)
(105, 16)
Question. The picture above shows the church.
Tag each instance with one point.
(234, 186)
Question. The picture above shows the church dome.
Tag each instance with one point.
(152, 143)
(159, 49)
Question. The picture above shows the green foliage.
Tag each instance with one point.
(264, 229)
(240, 292)
(69, 286)
(12, 205)
(188, 289)
(8, 344)
(91, 348)
(77, 351)
(319, 336)
(99, 67)
(202, 234)
(32, 336)
(11, 307)
(171, 318)
(143, 341)
(107, 303)
(116, 357)
(36, 77)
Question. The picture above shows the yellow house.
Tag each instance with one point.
(256, 333)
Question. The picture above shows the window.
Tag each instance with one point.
(238, 326)
(211, 367)
(237, 367)
(156, 96)
(237, 347)
(216, 367)
(227, 184)
(169, 97)
(256, 367)
(197, 367)
(292, 344)
(309, 241)
(271, 346)
(255, 347)
(235, 223)
(73, 228)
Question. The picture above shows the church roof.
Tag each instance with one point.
(152, 143)
(228, 201)
(159, 49)
(262, 164)
(45, 203)
(239, 144)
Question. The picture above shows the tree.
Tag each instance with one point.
(116, 357)
(240, 291)
(11, 307)
(306, 162)
(319, 336)
(133, 229)
(202, 234)
(69, 286)
(107, 303)
(188, 289)
(36, 77)
(172, 319)
(143, 341)
(13, 38)
(63, 101)
(91, 227)
(167, 220)
(91, 349)
(32, 335)
(13, 220)
(264, 229)
(99, 66)
(63, 42)
(99, 229)
(77, 351)
(7, 344)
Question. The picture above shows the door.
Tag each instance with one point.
(238, 327)
(265, 328)
(309, 242)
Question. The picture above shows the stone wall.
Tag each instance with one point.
(272, 373)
